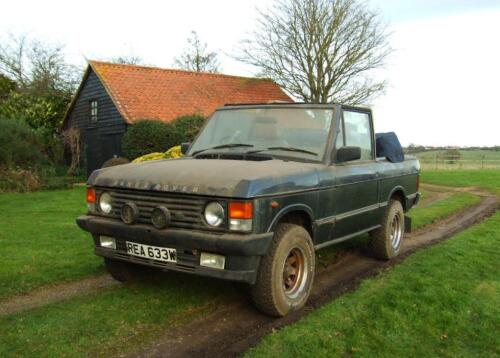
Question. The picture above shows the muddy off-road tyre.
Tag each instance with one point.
(286, 272)
(124, 271)
(386, 240)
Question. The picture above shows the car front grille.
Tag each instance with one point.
(186, 211)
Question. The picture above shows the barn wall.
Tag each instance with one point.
(108, 114)
(102, 140)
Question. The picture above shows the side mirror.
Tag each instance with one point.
(185, 147)
(346, 154)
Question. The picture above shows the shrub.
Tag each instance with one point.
(20, 146)
(148, 136)
(52, 145)
(115, 161)
(187, 127)
(18, 180)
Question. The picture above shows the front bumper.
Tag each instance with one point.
(242, 251)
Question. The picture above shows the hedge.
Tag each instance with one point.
(147, 136)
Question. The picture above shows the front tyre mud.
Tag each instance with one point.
(286, 272)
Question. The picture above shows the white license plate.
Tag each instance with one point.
(151, 252)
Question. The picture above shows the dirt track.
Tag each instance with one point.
(231, 330)
(55, 293)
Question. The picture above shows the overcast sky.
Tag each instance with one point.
(444, 75)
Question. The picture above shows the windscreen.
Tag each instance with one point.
(303, 130)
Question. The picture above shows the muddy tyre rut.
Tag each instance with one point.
(233, 329)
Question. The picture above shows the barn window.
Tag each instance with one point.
(93, 111)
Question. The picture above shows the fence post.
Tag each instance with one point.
(482, 161)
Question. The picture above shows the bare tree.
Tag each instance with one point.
(37, 66)
(320, 51)
(128, 60)
(196, 57)
(13, 58)
(49, 71)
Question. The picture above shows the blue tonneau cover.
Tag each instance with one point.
(388, 146)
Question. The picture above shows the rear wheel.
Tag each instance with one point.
(286, 272)
(386, 240)
(124, 271)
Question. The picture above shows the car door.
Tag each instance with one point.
(355, 195)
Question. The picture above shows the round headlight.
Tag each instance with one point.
(214, 214)
(105, 203)
(129, 213)
(160, 217)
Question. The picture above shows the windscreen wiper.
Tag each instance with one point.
(289, 149)
(222, 146)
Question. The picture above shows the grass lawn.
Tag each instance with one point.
(441, 209)
(112, 321)
(40, 241)
(440, 301)
(488, 179)
(118, 319)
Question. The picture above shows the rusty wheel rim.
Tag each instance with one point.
(294, 272)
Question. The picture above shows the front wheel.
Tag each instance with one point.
(286, 272)
(386, 240)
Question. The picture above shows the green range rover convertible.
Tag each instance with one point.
(259, 190)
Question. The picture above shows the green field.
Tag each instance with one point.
(120, 318)
(114, 320)
(464, 154)
(488, 179)
(43, 245)
(441, 209)
(469, 159)
(442, 301)
(40, 241)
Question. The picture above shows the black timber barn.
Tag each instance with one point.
(112, 97)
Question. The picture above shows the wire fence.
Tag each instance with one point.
(457, 164)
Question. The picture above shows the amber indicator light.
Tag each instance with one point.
(90, 195)
(241, 210)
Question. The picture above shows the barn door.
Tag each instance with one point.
(93, 152)
(111, 146)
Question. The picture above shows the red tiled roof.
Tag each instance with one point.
(154, 93)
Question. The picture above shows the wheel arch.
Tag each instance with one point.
(398, 193)
(299, 213)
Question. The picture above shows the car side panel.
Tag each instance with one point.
(397, 176)
(349, 205)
